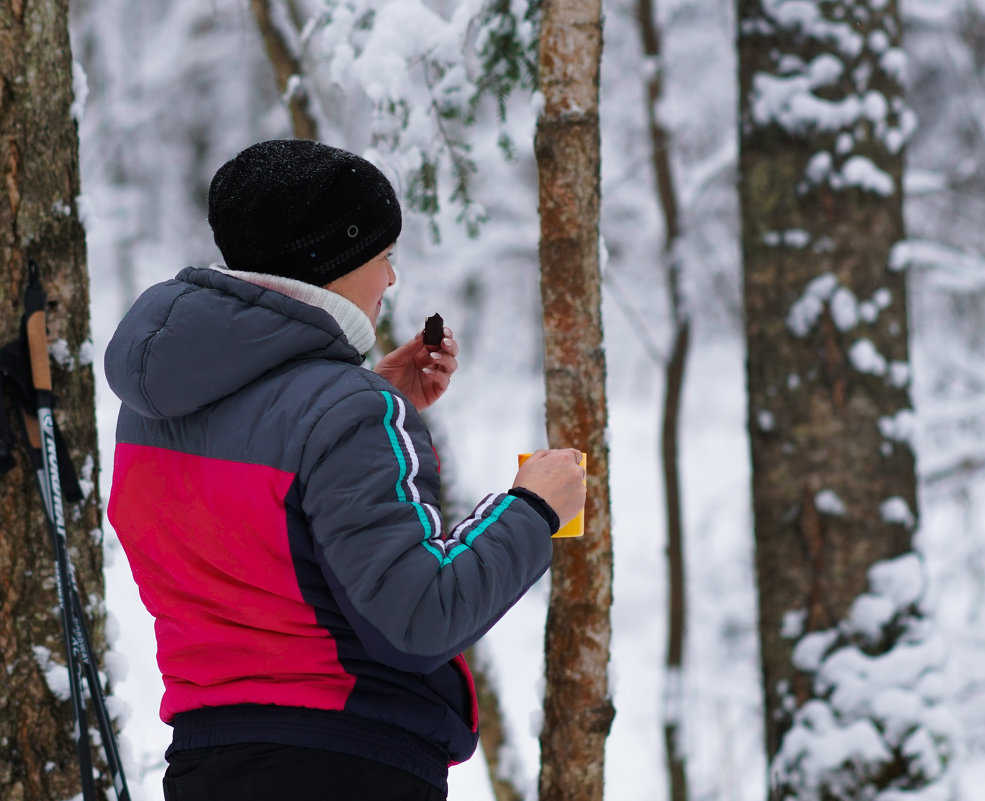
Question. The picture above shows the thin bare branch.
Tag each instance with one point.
(667, 194)
(287, 71)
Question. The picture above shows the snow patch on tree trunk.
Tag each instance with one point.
(879, 717)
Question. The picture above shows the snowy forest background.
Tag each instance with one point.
(172, 89)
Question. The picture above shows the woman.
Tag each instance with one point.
(278, 502)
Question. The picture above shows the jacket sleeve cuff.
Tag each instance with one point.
(539, 505)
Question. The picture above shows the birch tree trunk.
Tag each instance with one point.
(578, 710)
(39, 221)
(823, 123)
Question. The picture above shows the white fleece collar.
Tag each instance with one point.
(351, 319)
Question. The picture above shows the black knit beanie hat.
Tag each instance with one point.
(301, 209)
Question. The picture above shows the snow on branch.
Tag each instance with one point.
(424, 75)
(950, 268)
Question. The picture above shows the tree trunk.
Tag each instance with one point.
(492, 731)
(821, 132)
(578, 711)
(39, 221)
(666, 188)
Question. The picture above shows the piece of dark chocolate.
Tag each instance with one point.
(434, 331)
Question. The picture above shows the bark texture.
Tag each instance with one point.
(578, 710)
(821, 200)
(39, 221)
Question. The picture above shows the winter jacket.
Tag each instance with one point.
(279, 507)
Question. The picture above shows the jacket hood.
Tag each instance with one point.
(201, 336)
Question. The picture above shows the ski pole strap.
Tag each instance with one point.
(8, 441)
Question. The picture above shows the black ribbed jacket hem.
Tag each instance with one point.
(329, 730)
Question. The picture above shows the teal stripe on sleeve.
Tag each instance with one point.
(395, 445)
(448, 558)
(442, 557)
(402, 464)
(493, 517)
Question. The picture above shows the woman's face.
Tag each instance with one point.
(366, 285)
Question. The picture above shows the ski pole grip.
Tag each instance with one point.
(37, 345)
(33, 428)
(35, 305)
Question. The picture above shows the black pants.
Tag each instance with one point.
(262, 771)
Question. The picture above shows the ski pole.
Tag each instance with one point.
(35, 302)
(78, 647)
(114, 762)
(110, 748)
